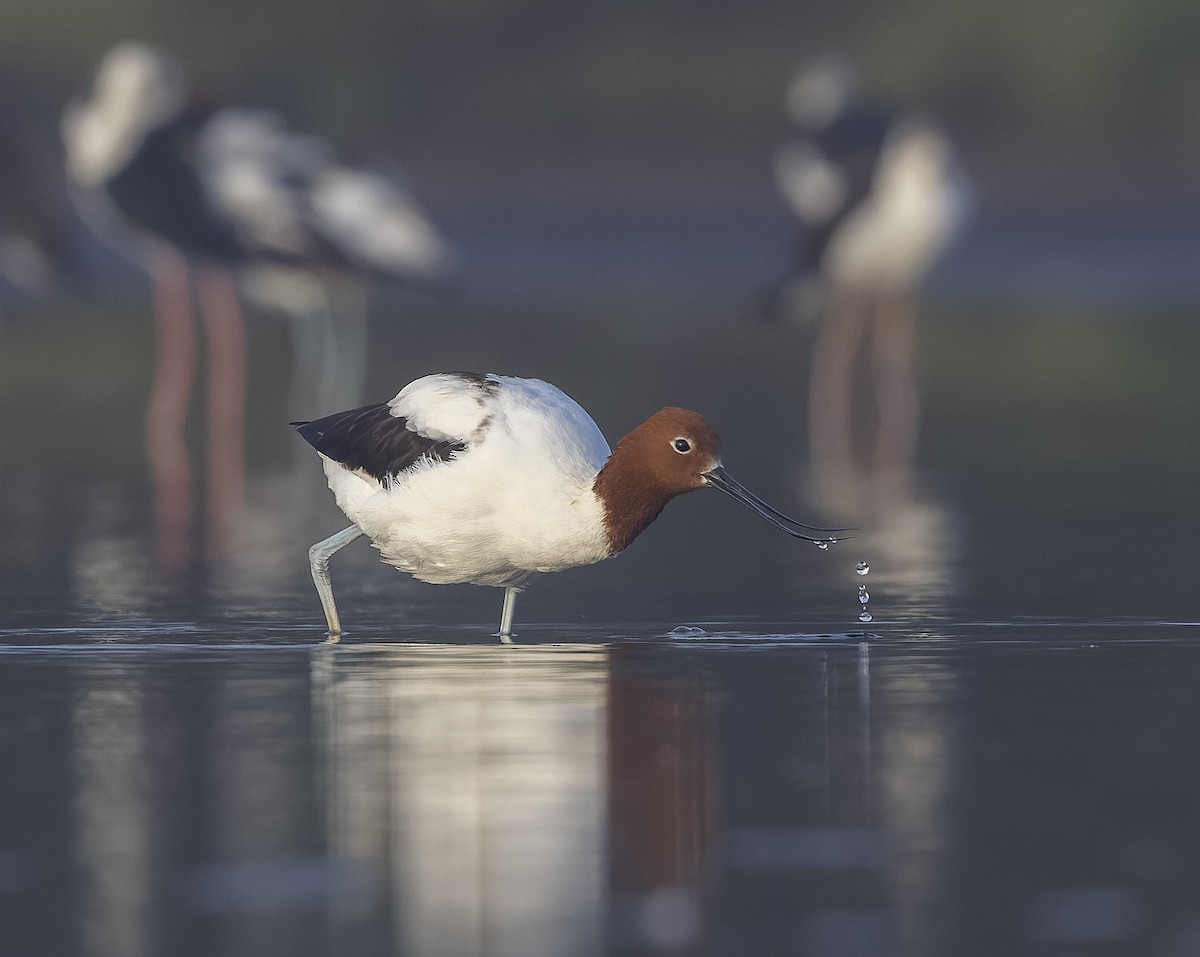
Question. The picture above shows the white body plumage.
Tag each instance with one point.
(517, 500)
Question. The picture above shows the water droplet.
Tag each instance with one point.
(863, 597)
(862, 568)
(865, 616)
(823, 545)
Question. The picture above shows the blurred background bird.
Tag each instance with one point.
(877, 196)
(220, 203)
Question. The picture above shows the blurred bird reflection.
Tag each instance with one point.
(470, 781)
(434, 800)
(664, 797)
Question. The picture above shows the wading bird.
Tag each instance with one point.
(877, 196)
(214, 198)
(489, 479)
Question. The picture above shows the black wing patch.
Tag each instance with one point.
(370, 438)
(853, 143)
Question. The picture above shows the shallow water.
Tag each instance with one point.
(695, 748)
(722, 794)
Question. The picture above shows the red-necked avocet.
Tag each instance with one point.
(489, 479)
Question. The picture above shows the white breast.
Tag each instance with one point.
(915, 206)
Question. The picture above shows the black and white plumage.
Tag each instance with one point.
(235, 185)
(374, 441)
(488, 480)
(877, 197)
(216, 203)
(877, 194)
(826, 165)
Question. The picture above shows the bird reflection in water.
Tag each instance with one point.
(620, 799)
(628, 798)
(470, 781)
(663, 774)
(216, 203)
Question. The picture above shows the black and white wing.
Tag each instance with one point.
(372, 440)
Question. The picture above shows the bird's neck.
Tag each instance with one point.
(631, 500)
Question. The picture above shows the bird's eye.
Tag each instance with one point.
(682, 446)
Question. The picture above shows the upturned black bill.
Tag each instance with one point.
(718, 478)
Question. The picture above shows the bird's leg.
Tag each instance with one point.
(506, 614)
(226, 334)
(166, 410)
(318, 560)
(896, 392)
(831, 385)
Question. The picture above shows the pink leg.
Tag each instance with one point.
(831, 381)
(226, 400)
(167, 408)
(892, 347)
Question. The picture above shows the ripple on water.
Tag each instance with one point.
(696, 633)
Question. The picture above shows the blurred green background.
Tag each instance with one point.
(1094, 82)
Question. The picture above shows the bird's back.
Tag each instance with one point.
(826, 171)
(290, 199)
(161, 190)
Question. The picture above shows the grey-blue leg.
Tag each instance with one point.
(506, 615)
(318, 560)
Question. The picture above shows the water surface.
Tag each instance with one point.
(697, 747)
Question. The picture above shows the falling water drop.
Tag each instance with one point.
(863, 595)
(862, 568)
